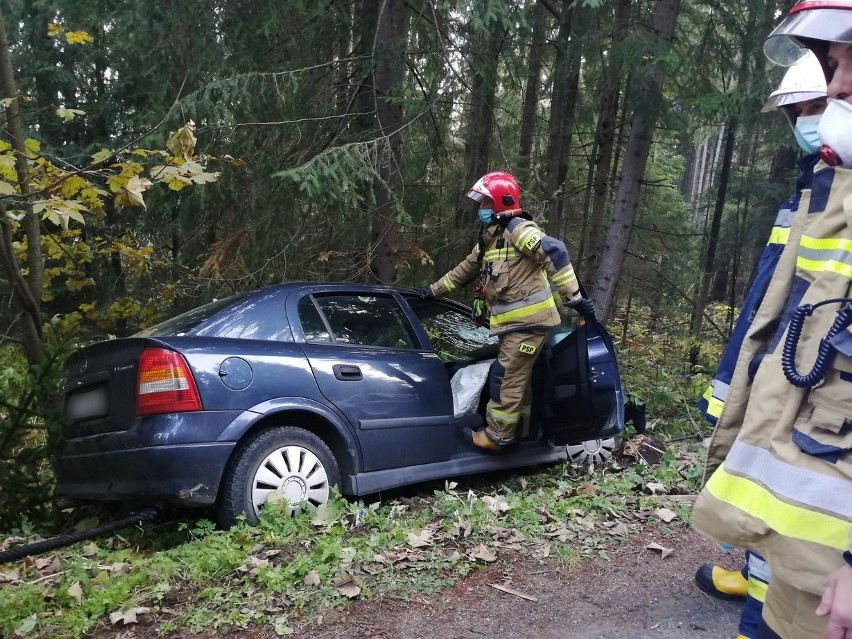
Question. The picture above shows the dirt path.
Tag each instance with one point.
(635, 595)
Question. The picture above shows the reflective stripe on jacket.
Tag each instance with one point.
(517, 265)
(714, 397)
(780, 460)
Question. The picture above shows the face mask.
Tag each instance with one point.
(486, 216)
(835, 129)
(806, 133)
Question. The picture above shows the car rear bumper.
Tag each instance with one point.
(174, 458)
(179, 474)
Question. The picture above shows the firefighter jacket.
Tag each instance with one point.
(714, 397)
(515, 263)
(779, 468)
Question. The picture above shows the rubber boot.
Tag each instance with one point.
(720, 583)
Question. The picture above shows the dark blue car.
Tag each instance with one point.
(285, 392)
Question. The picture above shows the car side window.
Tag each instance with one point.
(452, 333)
(312, 324)
(365, 320)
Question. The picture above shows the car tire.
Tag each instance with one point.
(286, 462)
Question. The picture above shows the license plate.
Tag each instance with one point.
(87, 404)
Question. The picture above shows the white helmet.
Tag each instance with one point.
(803, 81)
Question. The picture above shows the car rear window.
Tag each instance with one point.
(185, 322)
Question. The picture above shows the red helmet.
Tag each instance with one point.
(811, 24)
(503, 191)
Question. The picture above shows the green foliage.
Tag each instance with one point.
(30, 427)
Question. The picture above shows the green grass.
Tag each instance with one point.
(285, 570)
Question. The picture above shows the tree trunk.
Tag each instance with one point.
(389, 72)
(639, 141)
(529, 111)
(557, 138)
(486, 48)
(26, 292)
(605, 134)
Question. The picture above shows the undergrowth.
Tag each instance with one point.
(286, 571)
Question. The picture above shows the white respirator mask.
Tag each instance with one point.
(835, 132)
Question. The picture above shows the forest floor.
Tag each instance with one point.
(633, 593)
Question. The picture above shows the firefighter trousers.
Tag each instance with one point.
(510, 401)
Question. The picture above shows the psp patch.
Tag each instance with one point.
(533, 243)
(527, 349)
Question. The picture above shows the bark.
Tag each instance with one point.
(484, 60)
(389, 70)
(605, 134)
(557, 138)
(639, 141)
(529, 111)
(26, 292)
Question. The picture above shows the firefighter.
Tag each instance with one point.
(801, 98)
(515, 263)
(779, 469)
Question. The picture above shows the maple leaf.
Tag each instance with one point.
(182, 142)
(135, 187)
(69, 114)
(78, 37)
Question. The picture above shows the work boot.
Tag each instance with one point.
(720, 583)
(482, 441)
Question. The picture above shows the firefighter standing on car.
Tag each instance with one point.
(780, 460)
(515, 263)
(801, 98)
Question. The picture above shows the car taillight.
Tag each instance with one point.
(164, 384)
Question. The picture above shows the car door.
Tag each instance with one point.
(369, 362)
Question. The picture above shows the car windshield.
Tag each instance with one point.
(185, 322)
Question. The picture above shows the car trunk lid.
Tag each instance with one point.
(100, 387)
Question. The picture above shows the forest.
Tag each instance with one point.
(157, 155)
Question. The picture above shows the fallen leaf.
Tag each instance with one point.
(322, 516)
(619, 529)
(495, 505)
(421, 539)
(664, 552)
(127, 616)
(75, 591)
(665, 514)
(484, 553)
(655, 488)
(347, 585)
(312, 578)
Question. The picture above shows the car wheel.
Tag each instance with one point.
(593, 451)
(283, 463)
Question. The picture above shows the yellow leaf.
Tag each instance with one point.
(6, 102)
(182, 142)
(78, 37)
(101, 155)
(135, 187)
(68, 114)
(205, 178)
(7, 189)
(54, 29)
(178, 182)
(33, 146)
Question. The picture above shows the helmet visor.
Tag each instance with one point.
(787, 99)
(784, 45)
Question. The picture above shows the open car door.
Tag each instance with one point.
(577, 389)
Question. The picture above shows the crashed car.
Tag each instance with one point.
(286, 392)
